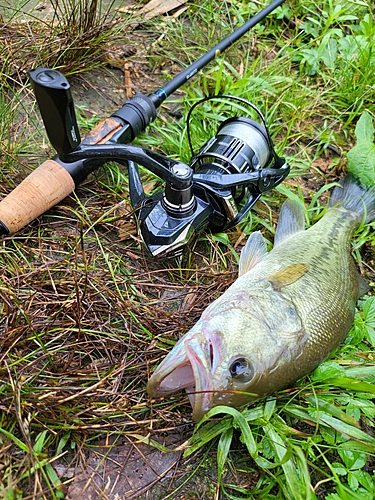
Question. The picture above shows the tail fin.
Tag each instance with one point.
(356, 198)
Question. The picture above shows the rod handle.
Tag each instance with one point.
(47, 185)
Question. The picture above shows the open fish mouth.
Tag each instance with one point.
(190, 365)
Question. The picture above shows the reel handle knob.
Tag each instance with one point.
(54, 98)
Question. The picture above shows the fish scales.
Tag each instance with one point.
(286, 312)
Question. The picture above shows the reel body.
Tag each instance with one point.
(229, 175)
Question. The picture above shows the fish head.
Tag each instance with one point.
(224, 359)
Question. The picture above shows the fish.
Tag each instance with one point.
(289, 308)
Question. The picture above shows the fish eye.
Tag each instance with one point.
(241, 369)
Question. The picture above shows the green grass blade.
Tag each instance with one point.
(22, 446)
(222, 451)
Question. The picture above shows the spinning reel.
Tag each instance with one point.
(213, 192)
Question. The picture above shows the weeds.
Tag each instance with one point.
(74, 39)
(86, 315)
(361, 158)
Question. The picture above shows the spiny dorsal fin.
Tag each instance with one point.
(291, 221)
(288, 275)
(252, 253)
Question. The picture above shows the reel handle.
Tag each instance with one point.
(54, 98)
(53, 180)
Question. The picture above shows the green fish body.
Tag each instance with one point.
(286, 312)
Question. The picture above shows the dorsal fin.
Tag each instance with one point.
(291, 221)
(253, 252)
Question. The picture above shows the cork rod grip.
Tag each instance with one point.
(40, 191)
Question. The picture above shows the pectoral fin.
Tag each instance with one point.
(288, 275)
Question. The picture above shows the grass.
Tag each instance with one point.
(73, 38)
(86, 315)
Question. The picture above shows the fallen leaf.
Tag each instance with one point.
(124, 471)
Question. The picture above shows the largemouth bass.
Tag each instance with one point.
(286, 312)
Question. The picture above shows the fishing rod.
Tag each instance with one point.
(214, 192)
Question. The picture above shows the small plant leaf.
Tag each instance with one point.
(269, 408)
(223, 450)
(353, 384)
(22, 446)
(361, 162)
(292, 483)
(40, 442)
(339, 469)
(204, 434)
(365, 371)
(330, 409)
(347, 429)
(353, 459)
(327, 370)
(364, 130)
(364, 479)
(361, 158)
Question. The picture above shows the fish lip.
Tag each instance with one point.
(200, 394)
(162, 381)
(191, 367)
(205, 352)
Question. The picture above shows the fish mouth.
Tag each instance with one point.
(190, 366)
